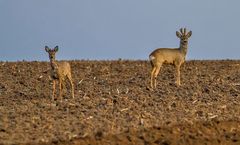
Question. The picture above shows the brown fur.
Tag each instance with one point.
(59, 72)
(175, 56)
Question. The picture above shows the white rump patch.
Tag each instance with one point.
(152, 57)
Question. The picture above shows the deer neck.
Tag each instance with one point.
(54, 65)
(183, 48)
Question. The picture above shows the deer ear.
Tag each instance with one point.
(56, 49)
(178, 34)
(47, 48)
(189, 34)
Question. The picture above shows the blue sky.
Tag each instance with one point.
(112, 29)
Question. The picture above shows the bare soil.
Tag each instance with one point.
(114, 105)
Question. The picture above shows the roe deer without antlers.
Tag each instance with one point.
(175, 56)
(59, 72)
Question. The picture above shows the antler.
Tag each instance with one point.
(181, 30)
(185, 31)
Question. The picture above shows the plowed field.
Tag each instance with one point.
(114, 105)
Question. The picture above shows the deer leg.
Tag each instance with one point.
(60, 89)
(156, 74)
(178, 75)
(63, 87)
(72, 86)
(54, 88)
(152, 74)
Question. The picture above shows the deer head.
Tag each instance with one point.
(183, 35)
(51, 52)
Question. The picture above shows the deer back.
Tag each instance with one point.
(167, 55)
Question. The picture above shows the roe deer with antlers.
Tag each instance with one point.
(175, 56)
(59, 72)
